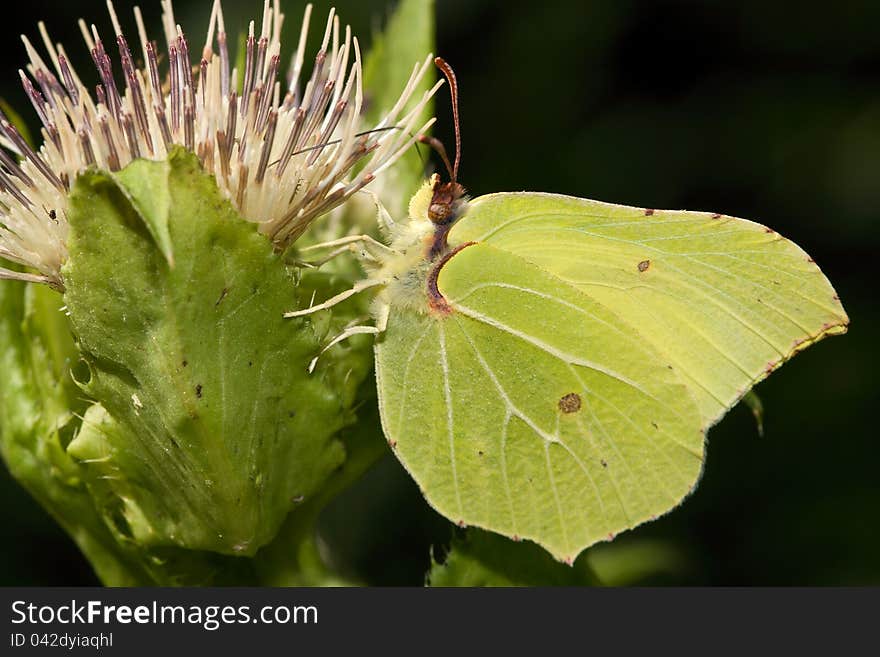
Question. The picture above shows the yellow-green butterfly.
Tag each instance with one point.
(548, 366)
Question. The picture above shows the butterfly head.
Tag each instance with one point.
(447, 198)
(438, 204)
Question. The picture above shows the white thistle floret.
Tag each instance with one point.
(283, 156)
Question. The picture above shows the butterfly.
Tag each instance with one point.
(548, 366)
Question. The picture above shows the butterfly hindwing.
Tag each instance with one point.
(529, 409)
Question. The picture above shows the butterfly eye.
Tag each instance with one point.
(444, 203)
(438, 212)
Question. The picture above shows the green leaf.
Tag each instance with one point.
(95, 445)
(213, 428)
(484, 559)
(293, 557)
(145, 187)
(633, 561)
(756, 406)
(40, 407)
(407, 40)
(37, 404)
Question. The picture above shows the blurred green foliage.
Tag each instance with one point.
(761, 110)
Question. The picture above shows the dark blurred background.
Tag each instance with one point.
(764, 110)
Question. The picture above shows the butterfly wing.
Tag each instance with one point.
(533, 410)
(587, 347)
(725, 300)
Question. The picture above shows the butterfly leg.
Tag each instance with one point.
(360, 286)
(347, 333)
(317, 264)
(350, 239)
(381, 324)
(383, 217)
(372, 250)
(382, 317)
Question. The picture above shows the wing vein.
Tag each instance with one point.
(514, 411)
(549, 349)
(444, 362)
(559, 513)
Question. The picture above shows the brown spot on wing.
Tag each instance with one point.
(570, 403)
(649, 212)
(644, 264)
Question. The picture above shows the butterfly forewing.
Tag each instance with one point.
(724, 300)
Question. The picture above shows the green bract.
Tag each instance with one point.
(210, 431)
(38, 400)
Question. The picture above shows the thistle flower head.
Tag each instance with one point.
(283, 153)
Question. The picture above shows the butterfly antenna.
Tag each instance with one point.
(438, 146)
(333, 142)
(440, 63)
